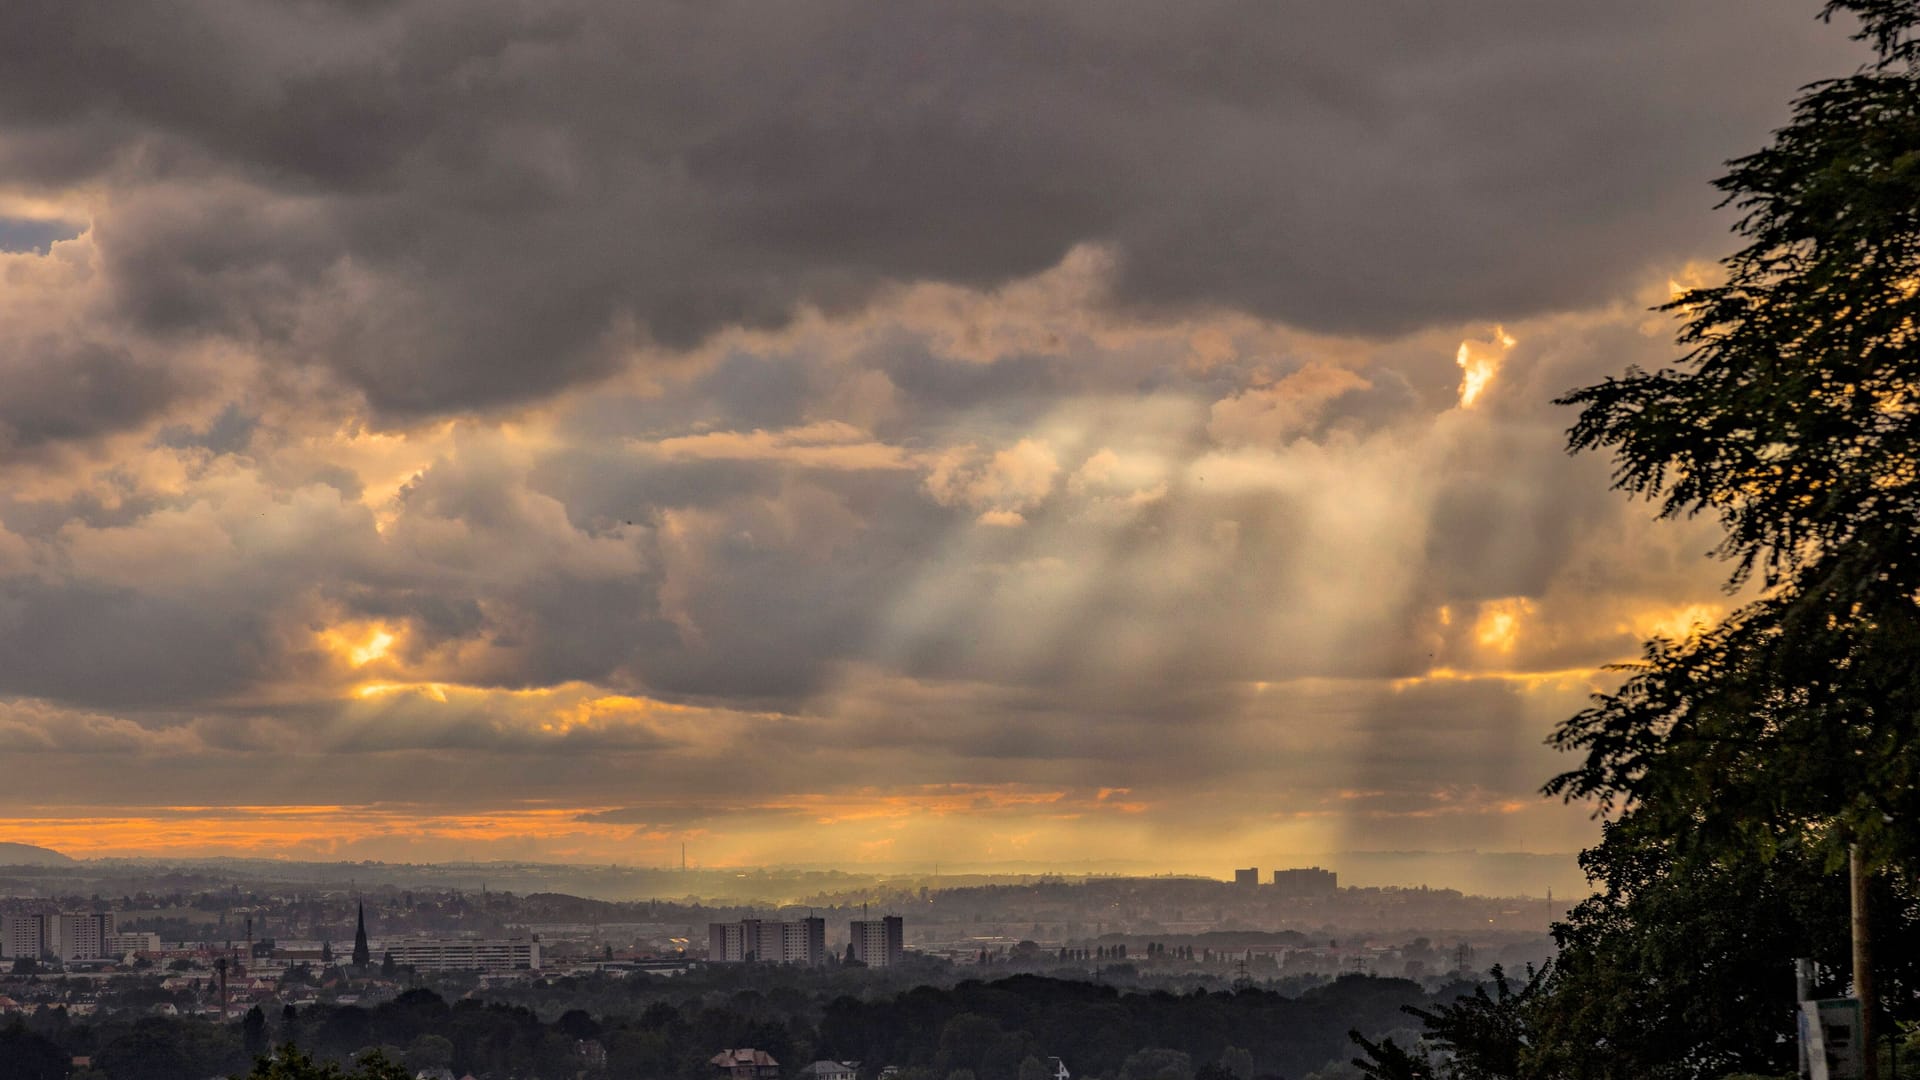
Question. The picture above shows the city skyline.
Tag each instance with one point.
(1015, 436)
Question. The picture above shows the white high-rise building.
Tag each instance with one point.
(84, 935)
(878, 942)
(799, 941)
(29, 936)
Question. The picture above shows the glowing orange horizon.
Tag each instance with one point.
(985, 822)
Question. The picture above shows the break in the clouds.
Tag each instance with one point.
(834, 430)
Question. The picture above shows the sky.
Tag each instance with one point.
(851, 432)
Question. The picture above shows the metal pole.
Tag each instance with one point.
(1802, 992)
(1862, 962)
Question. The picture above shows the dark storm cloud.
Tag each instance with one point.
(99, 645)
(60, 390)
(772, 591)
(461, 204)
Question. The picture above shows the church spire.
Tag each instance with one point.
(361, 955)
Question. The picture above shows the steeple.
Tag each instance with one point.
(361, 955)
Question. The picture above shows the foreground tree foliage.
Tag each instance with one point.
(293, 1064)
(1738, 766)
(1679, 967)
(1795, 419)
(668, 1028)
(1747, 759)
(1479, 1036)
(27, 1056)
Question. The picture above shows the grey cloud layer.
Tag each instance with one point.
(465, 204)
(590, 351)
(1158, 556)
(1072, 542)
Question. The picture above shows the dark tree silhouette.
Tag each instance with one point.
(1795, 420)
(1760, 752)
(27, 1056)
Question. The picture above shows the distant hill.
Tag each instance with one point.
(29, 855)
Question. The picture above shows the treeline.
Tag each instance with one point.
(1001, 1030)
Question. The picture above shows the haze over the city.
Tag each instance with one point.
(854, 434)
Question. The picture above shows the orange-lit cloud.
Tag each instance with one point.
(1500, 623)
(358, 645)
(1479, 362)
(826, 445)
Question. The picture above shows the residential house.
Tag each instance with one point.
(746, 1064)
(830, 1070)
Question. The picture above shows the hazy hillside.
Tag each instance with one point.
(29, 855)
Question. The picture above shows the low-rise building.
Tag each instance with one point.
(120, 944)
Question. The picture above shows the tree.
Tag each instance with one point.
(1677, 967)
(27, 1056)
(428, 1052)
(1388, 1060)
(1156, 1063)
(290, 1063)
(964, 1040)
(1794, 418)
(578, 1024)
(1491, 1036)
(1790, 731)
(253, 1031)
(1480, 1036)
(152, 1050)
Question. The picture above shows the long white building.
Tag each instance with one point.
(120, 944)
(463, 954)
